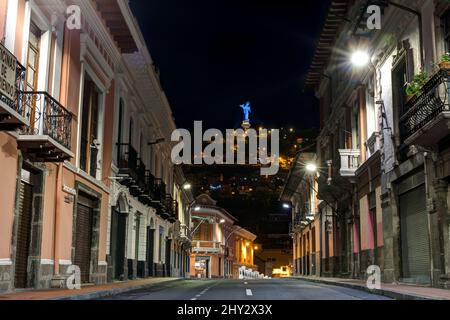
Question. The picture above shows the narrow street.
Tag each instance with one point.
(273, 289)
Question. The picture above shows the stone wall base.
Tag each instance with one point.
(5, 278)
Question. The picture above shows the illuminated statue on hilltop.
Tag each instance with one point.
(247, 110)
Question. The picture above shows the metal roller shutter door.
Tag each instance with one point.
(83, 241)
(414, 236)
(23, 235)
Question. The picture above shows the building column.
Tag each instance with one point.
(442, 232)
(391, 229)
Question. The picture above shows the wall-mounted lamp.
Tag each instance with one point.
(360, 58)
(187, 186)
(286, 206)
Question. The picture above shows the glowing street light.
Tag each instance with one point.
(187, 186)
(197, 209)
(311, 167)
(360, 58)
(286, 205)
(222, 221)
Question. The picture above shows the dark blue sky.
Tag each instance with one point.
(217, 54)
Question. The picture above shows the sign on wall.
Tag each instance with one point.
(8, 68)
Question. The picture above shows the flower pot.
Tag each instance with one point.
(409, 97)
(444, 65)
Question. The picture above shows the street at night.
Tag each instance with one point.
(257, 290)
(190, 153)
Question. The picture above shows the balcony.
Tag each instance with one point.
(427, 117)
(373, 144)
(166, 210)
(206, 246)
(174, 211)
(159, 195)
(349, 162)
(12, 113)
(48, 136)
(127, 162)
(185, 233)
(147, 184)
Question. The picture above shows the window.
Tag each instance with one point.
(399, 81)
(89, 128)
(203, 232)
(446, 24)
(32, 71)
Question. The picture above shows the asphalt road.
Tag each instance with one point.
(271, 289)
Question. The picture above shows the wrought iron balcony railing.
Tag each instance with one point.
(159, 190)
(150, 184)
(424, 119)
(12, 111)
(127, 162)
(47, 117)
(141, 170)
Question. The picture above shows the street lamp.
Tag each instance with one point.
(187, 186)
(360, 58)
(286, 206)
(311, 167)
(222, 221)
(197, 209)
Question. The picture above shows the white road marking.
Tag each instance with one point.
(249, 292)
(245, 282)
(198, 295)
(194, 299)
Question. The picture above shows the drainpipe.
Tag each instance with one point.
(56, 231)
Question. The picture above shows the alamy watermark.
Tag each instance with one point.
(373, 277)
(74, 280)
(258, 148)
(72, 18)
(374, 19)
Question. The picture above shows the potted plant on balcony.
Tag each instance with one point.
(445, 61)
(414, 88)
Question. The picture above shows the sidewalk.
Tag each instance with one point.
(88, 292)
(394, 291)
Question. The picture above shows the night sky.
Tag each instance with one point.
(217, 54)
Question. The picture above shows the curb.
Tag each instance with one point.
(111, 292)
(383, 292)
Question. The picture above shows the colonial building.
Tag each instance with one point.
(383, 151)
(84, 149)
(219, 247)
(244, 249)
(300, 195)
